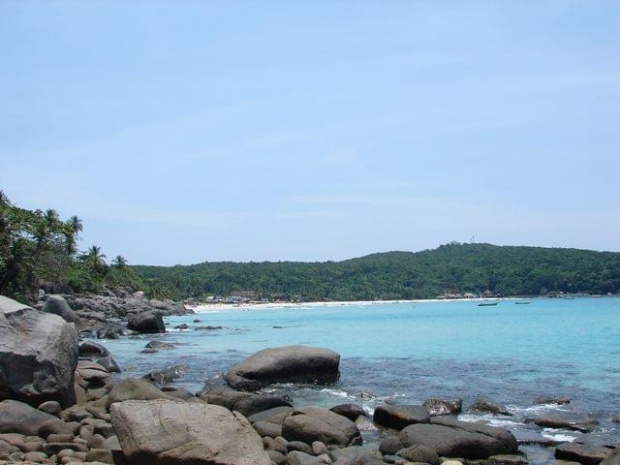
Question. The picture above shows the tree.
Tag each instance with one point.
(93, 258)
(119, 262)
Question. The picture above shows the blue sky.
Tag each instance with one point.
(185, 131)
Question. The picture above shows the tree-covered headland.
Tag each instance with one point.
(39, 249)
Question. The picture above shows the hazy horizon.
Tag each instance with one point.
(185, 132)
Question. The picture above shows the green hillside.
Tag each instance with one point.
(454, 267)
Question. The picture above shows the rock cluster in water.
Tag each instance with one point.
(60, 403)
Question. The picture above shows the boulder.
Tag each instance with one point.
(38, 355)
(555, 400)
(171, 432)
(585, 454)
(399, 416)
(486, 405)
(146, 322)
(566, 421)
(99, 354)
(309, 424)
(159, 345)
(18, 417)
(351, 411)
(420, 454)
(453, 438)
(439, 406)
(275, 415)
(613, 459)
(57, 305)
(135, 389)
(284, 364)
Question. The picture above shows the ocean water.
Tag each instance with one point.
(405, 353)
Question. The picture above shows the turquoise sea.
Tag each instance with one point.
(406, 352)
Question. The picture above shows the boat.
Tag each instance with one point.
(487, 304)
(522, 302)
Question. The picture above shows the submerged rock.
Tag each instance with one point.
(169, 432)
(585, 454)
(486, 405)
(437, 406)
(566, 421)
(38, 355)
(282, 364)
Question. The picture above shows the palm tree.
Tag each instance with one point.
(119, 262)
(93, 257)
(72, 227)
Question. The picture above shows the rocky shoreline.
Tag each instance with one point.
(61, 403)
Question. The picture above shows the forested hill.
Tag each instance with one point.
(475, 268)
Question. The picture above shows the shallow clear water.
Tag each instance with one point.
(405, 353)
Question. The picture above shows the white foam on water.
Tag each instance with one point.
(490, 420)
(557, 435)
(537, 409)
(337, 393)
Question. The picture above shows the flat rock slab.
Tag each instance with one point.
(285, 364)
(163, 432)
(453, 438)
(586, 454)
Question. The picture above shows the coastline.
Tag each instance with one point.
(218, 307)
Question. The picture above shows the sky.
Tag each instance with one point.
(185, 131)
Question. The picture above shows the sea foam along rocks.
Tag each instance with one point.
(163, 432)
(290, 363)
(453, 438)
(38, 355)
(309, 424)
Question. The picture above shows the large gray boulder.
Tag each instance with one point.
(284, 364)
(146, 322)
(166, 432)
(18, 417)
(38, 355)
(309, 424)
(57, 305)
(453, 438)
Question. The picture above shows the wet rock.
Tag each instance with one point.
(350, 411)
(486, 405)
(292, 363)
(165, 376)
(185, 434)
(585, 454)
(259, 403)
(159, 345)
(208, 328)
(308, 424)
(182, 326)
(616, 418)
(38, 355)
(437, 406)
(399, 416)
(453, 438)
(146, 322)
(566, 421)
(555, 400)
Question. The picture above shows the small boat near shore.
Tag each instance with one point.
(522, 302)
(487, 304)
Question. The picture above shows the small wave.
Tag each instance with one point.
(536, 409)
(490, 420)
(557, 435)
(337, 393)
